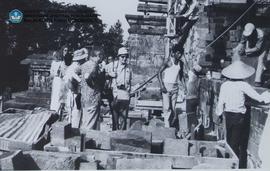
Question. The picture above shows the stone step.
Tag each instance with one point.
(143, 164)
(131, 140)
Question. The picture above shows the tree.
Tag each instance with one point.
(113, 39)
(20, 40)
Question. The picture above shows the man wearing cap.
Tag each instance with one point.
(73, 80)
(253, 44)
(231, 103)
(169, 77)
(121, 74)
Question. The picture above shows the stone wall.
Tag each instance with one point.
(213, 21)
(147, 53)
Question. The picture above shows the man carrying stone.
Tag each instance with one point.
(121, 75)
(253, 45)
(169, 78)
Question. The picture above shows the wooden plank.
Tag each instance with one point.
(142, 31)
(152, 8)
(145, 17)
(228, 1)
(150, 23)
(153, 105)
(155, 1)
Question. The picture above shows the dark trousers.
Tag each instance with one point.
(237, 127)
(120, 114)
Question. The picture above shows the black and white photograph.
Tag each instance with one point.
(134, 84)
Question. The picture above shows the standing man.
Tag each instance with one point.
(121, 76)
(169, 78)
(73, 79)
(253, 44)
(91, 91)
(231, 103)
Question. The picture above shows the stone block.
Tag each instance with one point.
(175, 147)
(88, 166)
(160, 133)
(51, 148)
(73, 144)
(60, 132)
(37, 160)
(134, 116)
(183, 123)
(156, 123)
(89, 163)
(12, 161)
(97, 140)
(143, 164)
(131, 140)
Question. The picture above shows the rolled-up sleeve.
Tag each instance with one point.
(249, 91)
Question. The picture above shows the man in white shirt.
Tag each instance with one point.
(169, 78)
(231, 103)
(121, 76)
(73, 80)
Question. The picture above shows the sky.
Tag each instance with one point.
(110, 10)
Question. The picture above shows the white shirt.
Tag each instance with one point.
(123, 77)
(232, 97)
(171, 73)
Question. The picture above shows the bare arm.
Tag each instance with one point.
(249, 91)
(160, 79)
(220, 105)
(191, 8)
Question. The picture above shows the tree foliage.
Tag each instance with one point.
(20, 40)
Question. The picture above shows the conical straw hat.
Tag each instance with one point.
(238, 70)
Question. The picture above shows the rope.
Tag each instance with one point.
(210, 44)
(239, 18)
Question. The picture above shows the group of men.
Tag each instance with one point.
(88, 79)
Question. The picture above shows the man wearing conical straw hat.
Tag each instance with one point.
(231, 103)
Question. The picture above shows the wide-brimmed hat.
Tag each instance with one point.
(238, 70)
(80, 54)
(249, 28)
(122, 51)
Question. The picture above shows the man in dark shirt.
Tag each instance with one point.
(253, 44)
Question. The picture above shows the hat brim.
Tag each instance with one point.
(122, 54)
(247, 32)
(77, 58)
(238, 70)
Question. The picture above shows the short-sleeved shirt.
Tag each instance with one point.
(123, 79)
(232, 97)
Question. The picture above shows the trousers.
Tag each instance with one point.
(120, 114)
(169, 103)
(237, 127)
